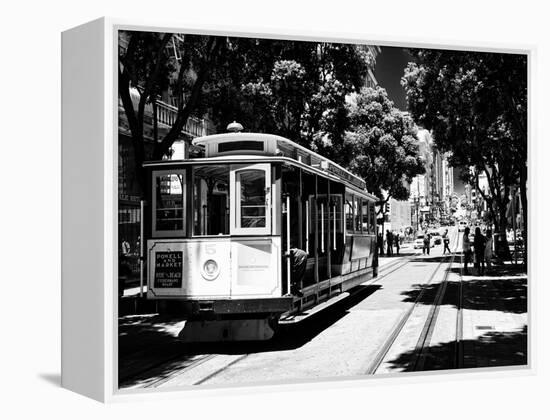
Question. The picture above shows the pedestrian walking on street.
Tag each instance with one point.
(396, 241)
(488, 250)
(389, 241)
(426, 248)
(446, 241)
(466, 248)
(380, 243)
(479, 251)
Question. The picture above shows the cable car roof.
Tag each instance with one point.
(239, 143)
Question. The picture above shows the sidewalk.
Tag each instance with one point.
(495, 317)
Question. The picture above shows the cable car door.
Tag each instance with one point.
(255, 253)
(251, 199)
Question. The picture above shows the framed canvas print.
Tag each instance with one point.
(263, 209)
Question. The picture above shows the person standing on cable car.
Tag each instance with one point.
(298, 262)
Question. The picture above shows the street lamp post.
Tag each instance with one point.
(417, 208)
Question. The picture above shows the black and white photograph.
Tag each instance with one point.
(268, 209)
(293, 210)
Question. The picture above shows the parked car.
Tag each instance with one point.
(436, 237)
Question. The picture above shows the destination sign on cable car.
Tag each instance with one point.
(347, 176)
(168, 269)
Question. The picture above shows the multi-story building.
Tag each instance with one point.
(370, 80)
(448, 184)
(431, 193)
(442, 183)
(421, 187)
(398, 216)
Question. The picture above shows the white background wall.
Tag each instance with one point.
(30, 210)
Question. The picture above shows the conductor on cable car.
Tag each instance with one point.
(298, 261)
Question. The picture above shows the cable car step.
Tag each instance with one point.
(300, 316)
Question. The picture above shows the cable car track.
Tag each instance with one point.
(153, 371)
(459, 342)
(388, 269)
(160, 379)
(429, 324)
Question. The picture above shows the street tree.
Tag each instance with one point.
(291, 88)
(476, 105)
(153, 63)
(381, 145)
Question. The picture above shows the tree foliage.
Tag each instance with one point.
(296, 89)
(153, 63)
(292, 88)
(381, 145)
(476, 105)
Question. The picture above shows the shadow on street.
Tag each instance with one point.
(487, 294)
(148, 343)
(492, 349)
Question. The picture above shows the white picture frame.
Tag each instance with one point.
(89, 244)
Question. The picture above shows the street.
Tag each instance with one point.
(419, 314)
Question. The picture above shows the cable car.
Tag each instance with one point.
(221, 231)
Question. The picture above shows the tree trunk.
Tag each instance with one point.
(136, 127)
(523, 198)
(184, 112)
(502, 250)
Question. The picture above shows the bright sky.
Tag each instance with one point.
(390, 65)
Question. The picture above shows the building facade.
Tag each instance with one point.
(431, 194)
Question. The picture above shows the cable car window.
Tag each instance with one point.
(348, 209)
(169, 203)
(211, 200)
(291, 189)
(365, 225)
(357, 214)
(322, 219)
(336, 209)
(241, 145)
(372, 215)
(309, 188)
(252, 199)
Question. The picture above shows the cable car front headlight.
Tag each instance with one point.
(210, 270)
